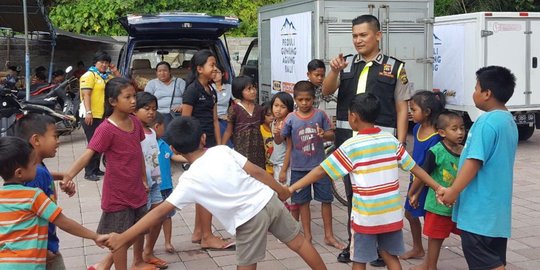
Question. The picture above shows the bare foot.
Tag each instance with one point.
(412, 254)
(419, 267)
(214, 242)
(169, 248)
(144, 266)
(196, 238)
(334, 243)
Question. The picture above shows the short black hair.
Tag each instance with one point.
(267, 106)
(165, 63)
(144, 99)
(14, 153)
(184, 134)
(58, 72)
(499, 80)
(285, 98)
(370, 19)
(101, 56)
(366, 106)
(315, 64)
(304, 87)
(444, 119)
(159, 119)
(32, 124)
(80, 63)
(239, 84)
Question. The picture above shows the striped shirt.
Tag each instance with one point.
(372, 158)
(25, 214)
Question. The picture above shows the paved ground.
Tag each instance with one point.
(523, 249)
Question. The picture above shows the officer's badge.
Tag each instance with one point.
(403, 77)
(387, 68)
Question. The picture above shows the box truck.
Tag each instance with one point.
(294, 32)
(464, 43)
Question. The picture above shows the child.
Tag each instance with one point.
(224, 99)
(40, 131)
(441, 163)
(244, 120)
(307, 128)
(425, 107)
(125, 186)
(483, 210)
(199, 101)
(26, 212)
(240, 194)
(268, 139)
(371, 158)
(165, 156)
(316, 73)
(282, 104)
(145, 110)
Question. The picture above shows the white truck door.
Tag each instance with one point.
(534, 62)
(506, 46)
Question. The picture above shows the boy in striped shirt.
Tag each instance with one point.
(25, 212)
(372, 158)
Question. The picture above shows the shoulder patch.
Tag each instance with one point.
(403, 76)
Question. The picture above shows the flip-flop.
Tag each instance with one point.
(91, 267)
(227, 247)
(161, 264)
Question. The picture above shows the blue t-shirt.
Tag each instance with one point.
(45, 182)
(308, 148)
(164, 159)
(484, 206)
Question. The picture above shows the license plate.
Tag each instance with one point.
(524, 118)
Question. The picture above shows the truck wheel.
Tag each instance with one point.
(525, 132)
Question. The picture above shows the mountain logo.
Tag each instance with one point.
(436, 40)
(288, 29)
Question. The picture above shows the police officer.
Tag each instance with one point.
(373, 72)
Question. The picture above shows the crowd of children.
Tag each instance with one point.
(278, 155)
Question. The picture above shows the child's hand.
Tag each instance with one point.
(320, 131)
(284, 194)
(277, 127)
(68, 188)
(445, 196)
(282, 176)
(413, 200)
(114, 242)
(146, 187)
(101, 240)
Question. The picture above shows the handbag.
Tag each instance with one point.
(173, 114)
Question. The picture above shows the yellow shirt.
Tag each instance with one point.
(91, 80)
(268, 140)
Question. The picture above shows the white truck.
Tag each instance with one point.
(294, 32)
(464, 43)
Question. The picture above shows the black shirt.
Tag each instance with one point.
(203, 106)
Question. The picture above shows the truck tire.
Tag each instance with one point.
(525, 132)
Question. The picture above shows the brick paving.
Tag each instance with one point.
(84, 207)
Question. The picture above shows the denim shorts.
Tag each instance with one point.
(154, 196)
(165, 194)
(364, 246)
(321, 188)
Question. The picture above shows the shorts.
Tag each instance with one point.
(419, 211)
(364, 246)
(321, 188)
(165, 194)
(483, 252)
(56, 262)
(439, 227)
(277, 171)
(251, 236)
(120, 221)
(154, 195)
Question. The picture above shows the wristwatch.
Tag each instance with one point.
(88, 112)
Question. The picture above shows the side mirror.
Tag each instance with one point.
(69, 69)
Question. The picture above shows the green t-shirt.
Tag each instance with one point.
(442, 165)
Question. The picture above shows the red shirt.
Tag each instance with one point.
(122, 187)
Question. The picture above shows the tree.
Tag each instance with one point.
(100, 17)
(449, 7)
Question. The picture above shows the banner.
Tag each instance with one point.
(448, 48)
(290, 50)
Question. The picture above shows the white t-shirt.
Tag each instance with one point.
(150, 151)
(218, 182)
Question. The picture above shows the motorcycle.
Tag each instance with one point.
(11, 109)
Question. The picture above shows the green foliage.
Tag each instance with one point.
(100, 17)
(449, 7)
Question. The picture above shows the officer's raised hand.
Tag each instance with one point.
(338, 64)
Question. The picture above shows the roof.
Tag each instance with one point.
(11, 16)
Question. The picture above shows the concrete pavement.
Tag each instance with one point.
(523, 249)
